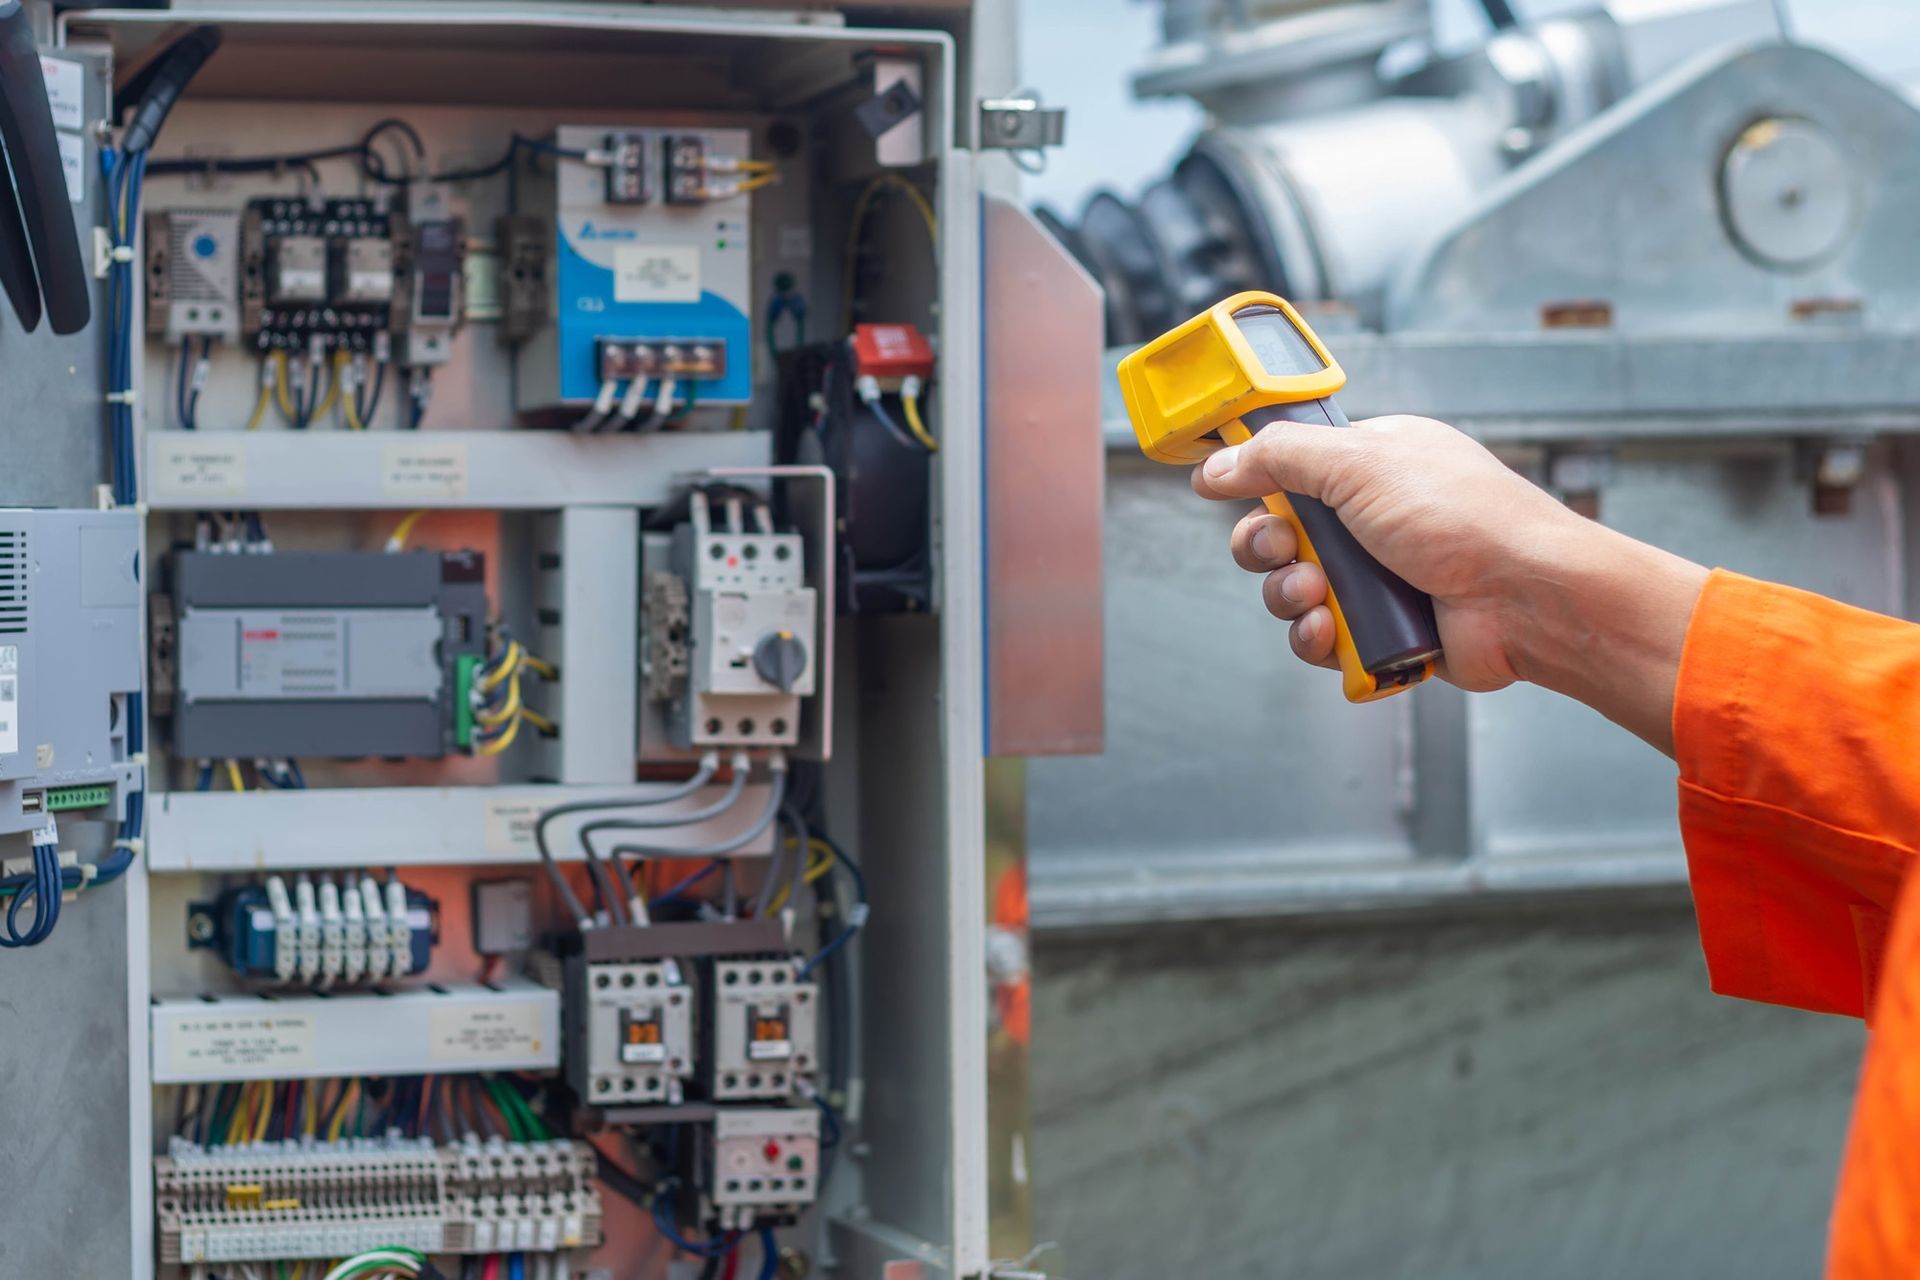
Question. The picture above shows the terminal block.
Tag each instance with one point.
(761, 1028)
(315, 275)
(307, 1199)
(759, 1165)
(622, 359)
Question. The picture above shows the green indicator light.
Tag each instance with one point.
(796, 1163)
(721, 245)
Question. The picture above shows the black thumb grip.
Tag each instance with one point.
(1391, 623)
(40, 185)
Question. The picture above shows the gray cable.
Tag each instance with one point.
(735, 788)
(568, 897)
(777, 795)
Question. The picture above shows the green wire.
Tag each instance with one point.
(511, 1114)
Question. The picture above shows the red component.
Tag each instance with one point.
(891, 351)
(771, 1151)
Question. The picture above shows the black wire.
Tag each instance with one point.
(1500, 14)
(627, 1186)
(180, 386)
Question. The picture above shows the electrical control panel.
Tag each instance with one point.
(652, 277)
(322, 653)
(761, 1028)
(454, 676)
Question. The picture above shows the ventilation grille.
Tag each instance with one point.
(13, 581)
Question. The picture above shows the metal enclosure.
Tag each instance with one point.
(100, 1027)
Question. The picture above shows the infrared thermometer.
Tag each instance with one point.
(1246, 364)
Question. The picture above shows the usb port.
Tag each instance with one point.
(32, 801)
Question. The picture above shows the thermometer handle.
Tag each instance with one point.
(1384, 636)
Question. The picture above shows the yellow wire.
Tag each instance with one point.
(261, 405)
(754, 184)
(855, 226)
(280, 385)
(914, 423)
(247, 1097)
(820, 861)
(404, 530)
(347, 1100)
(507, 710)
(541, 667)
(539, 721)
(502, 742)
(341, 359)
(312, 1111)
(509, 666)
(327, 401)
(233, 776)
(265, 1117)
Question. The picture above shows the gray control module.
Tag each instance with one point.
(337, 654)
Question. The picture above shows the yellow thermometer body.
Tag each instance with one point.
(1227, 373)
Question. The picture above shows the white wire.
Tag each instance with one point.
(602, 406)
(631, 402)
(664, 405)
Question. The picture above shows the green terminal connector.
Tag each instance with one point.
(65, 799)
(465, 668)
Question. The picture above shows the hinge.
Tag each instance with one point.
(1021, 124)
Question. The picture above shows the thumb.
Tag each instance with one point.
(1296, 457)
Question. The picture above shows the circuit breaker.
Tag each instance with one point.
(731, 630)
(69, 663)
(322, 653)
(652, 255)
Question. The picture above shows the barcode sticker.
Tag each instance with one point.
(9, 698)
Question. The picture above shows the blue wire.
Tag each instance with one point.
(769, 1254)
(692, 880)
(846, 935)
(718, 1247)
(517, 1266)
(831, 1119)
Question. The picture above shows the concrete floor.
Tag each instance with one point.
(1523, 1095)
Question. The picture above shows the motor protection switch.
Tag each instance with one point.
(1242, 366)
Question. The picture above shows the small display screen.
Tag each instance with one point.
(1282, 350)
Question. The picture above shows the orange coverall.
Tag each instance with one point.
(1797, 730)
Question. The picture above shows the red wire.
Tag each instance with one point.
(731, 1265)
(293, 1091)
(490, 1269)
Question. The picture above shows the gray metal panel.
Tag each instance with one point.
(1512, 1097)
(1043, 493)
(1628, 212)
(56, 432)
(70, 1175)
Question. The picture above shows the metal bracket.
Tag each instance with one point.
(1021, 124)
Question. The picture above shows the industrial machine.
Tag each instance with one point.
(490, 771)
(1652, 254)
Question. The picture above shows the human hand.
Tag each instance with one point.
(1523, 589)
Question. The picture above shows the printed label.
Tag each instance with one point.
(484, 1034)
(9, 698)
(66, 92)
(656, 273)
(199, 1045)
(73, 163)
(192, 469)
(510, 825)
(423, 469)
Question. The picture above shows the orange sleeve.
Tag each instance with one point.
(1797, 727)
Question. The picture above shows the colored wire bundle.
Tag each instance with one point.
(499, 709)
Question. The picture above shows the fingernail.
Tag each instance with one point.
(1262, 544)
(1222, 461)
(1309, 625)
(1290, 587)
